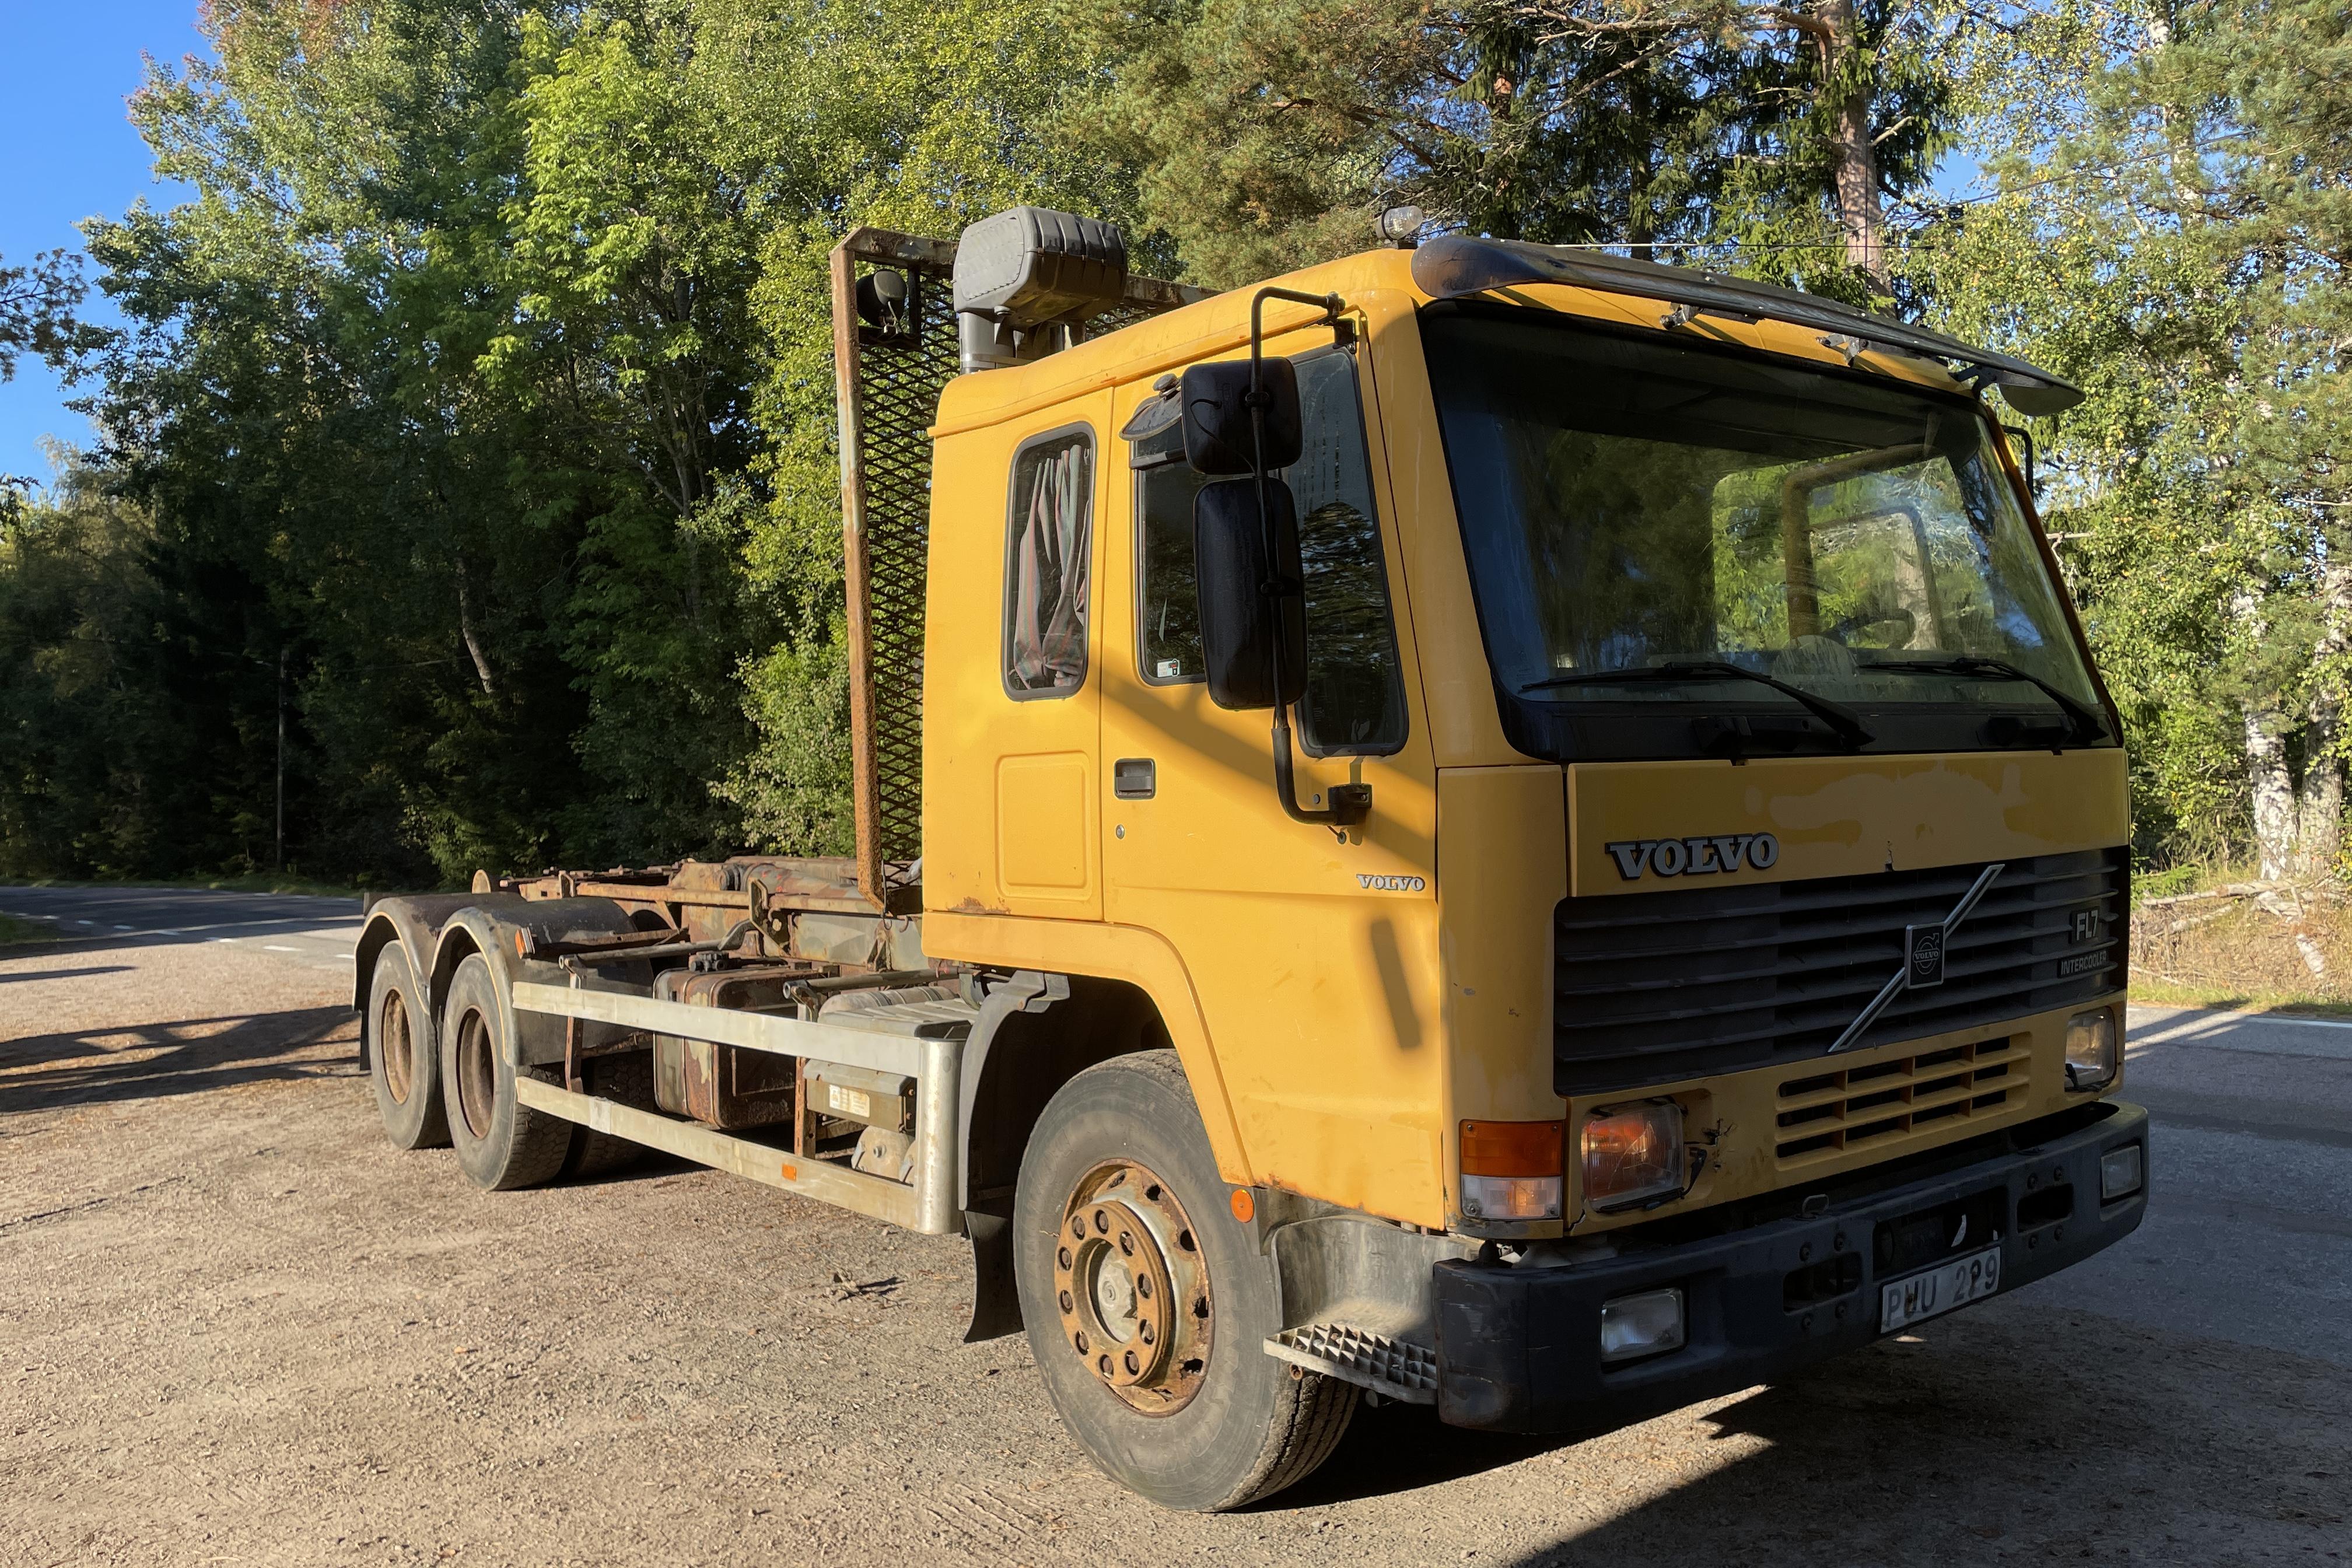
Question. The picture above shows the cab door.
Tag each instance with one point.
(1312, 953)
(1011, 754)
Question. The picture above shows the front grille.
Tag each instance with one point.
(1685, 983)
(1824, 1114)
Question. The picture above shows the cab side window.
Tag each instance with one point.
(1049, 532)
(1355, 688)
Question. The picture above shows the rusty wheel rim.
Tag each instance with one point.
(477, 1077)
(396, 1047)
(1132, 1288)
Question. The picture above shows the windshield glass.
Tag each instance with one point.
(1631, 502)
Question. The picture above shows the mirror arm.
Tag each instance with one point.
(1350, 803)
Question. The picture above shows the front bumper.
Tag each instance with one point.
(1518, 1350)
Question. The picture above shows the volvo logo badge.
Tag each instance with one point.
(1924, 944)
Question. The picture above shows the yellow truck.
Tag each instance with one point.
(1485, 826)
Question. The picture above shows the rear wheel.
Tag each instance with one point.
(500, 1143)
(403, 1067)
(628, 1079)
(1146, 1303)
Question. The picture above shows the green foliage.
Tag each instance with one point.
(2169, 224)
(1268, 135)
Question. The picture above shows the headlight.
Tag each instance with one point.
(1511, 1170)
(1635, 1326)
(2122, 1173)
(1633, 1152)
(2091, 1050)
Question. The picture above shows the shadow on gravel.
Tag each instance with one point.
(2073, 1438)
(15, 977)
(2070, 1436)
(95, 1067)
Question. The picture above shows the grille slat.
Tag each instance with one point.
(1822, 1116)
(1654, 986)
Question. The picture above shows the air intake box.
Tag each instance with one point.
(1029, 269)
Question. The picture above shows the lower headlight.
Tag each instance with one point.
(2091, 1050)
(2122, 1173)
(1635, 1326)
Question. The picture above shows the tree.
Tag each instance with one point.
(1269, 135)
(2169, 223)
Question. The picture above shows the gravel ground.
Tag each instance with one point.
(238, 1328)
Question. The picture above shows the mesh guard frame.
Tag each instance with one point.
(887, 388)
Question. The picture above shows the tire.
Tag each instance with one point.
(501, 1144)
(403, 1067)
(629, 1080)
(1123, 1141)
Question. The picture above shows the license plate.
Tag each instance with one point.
(1918, 1297)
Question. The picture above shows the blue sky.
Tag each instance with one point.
(66, 66)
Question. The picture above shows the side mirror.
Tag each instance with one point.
(1240, 617)
(1220, 439)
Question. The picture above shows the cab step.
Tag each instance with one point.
(1389, 1367)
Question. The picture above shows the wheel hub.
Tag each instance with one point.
(399, 1051)
(1132, 1288)
(477, 1076)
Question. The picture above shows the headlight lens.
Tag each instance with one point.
(2091, 1050)
(1635, 1326)
(2122, 1173)
(1631, 1154)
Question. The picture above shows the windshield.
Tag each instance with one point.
(1649, 503)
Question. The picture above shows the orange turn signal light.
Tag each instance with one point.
(1512, 1148)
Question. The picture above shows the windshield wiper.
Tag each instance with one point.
(1839, 716)
(2086, 723)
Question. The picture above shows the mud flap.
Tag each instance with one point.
(995, 1299)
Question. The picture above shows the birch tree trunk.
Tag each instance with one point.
(2267, 779)
(2319, 814)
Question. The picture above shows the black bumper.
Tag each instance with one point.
(1518, 1350)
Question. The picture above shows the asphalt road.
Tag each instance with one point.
(316, 932)
(234, 1327)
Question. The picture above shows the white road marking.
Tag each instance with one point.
(273, 947)
(126, 928)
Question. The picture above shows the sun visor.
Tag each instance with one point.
(1456, 265)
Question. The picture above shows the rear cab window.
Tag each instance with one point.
(1049, 531)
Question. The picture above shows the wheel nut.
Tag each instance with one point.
(1068, 1305)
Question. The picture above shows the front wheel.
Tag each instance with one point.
(1147, 1302)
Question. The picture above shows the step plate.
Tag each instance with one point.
(1391, 1368)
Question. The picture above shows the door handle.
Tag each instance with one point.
(1134, 778)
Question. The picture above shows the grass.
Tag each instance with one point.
(2290, 952)
(2238, 999)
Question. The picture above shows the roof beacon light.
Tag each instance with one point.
(1401, 227)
